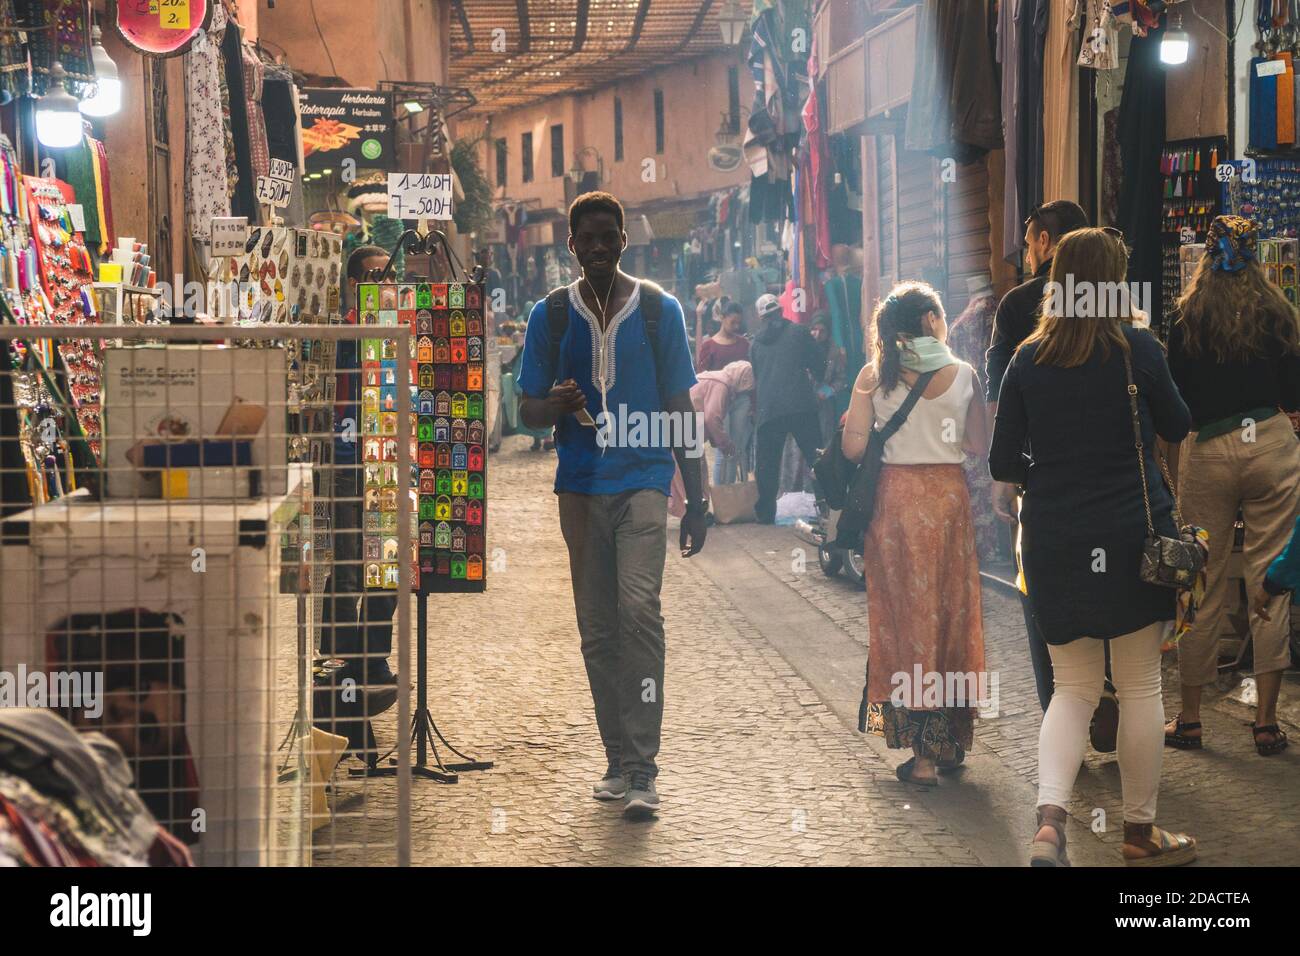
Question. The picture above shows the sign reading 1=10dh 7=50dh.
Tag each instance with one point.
(449, 442)
(419, 196)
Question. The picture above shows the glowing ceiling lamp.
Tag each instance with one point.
(1175, 44)
(58, 119)
(108, 88)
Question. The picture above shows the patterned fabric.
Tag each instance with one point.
(15, 81)
(1190, 599)
(936, 734)
(61, 32)
(924, 608)
(1231, 242)
(253, 76)
(227, 122)
(207, 186)
(968, 338)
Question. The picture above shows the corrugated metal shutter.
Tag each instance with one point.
(919, 210)
(886, 232)
(966, 233)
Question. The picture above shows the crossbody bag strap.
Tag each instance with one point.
(1138, 444)
(900, 416)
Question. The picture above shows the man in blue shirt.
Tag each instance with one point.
(616, 345)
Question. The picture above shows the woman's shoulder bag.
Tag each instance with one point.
(860, 500)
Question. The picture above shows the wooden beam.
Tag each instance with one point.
(637, 25)
(705, 7)
(525, 30)
(458, 7)
(580, 32)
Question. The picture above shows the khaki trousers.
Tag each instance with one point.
(1261, 478)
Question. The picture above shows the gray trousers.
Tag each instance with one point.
(616, 547)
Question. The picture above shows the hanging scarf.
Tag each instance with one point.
(925, 353)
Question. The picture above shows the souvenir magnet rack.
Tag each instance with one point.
(424, 729)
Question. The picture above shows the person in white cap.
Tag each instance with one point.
(787, 363)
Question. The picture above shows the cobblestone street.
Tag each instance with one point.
(760, 763)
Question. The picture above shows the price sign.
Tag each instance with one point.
(229, 233)
(174, 14)
(78, 215)
(283, 169)
(419, 195)
(273, 192)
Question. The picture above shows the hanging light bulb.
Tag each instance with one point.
(58, 121)
(108, 88)
(1175, 44)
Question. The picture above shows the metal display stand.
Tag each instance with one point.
(424, 729)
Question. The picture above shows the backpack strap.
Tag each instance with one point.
(557, 323)
(652, 310)
(899, 417)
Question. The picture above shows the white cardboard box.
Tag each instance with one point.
(78, 557)
(183, 392)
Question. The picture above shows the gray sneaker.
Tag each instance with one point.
(642, 799)
(612, 786)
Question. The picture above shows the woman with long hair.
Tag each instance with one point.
(1235, 353)
(926, 676)
(1065, 433)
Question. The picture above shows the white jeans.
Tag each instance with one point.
(1080, 671)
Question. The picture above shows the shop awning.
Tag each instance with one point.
(871, 75)
(555, 47)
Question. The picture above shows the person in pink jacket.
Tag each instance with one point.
(714, 396)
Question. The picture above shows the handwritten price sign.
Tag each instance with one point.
(273, 192)
(419, 195)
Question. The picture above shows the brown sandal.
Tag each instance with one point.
(1176, 737)
(1145, 844)
(1279, 740)
(904, 773)
(1042, 853)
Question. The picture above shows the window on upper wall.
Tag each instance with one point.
(500, 146)
(526, 156)
(733, 99)
(557, 149)
(659, 121)
(618, 130)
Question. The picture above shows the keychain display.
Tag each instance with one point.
(448, 395)
(67, 273)
(1272, 200)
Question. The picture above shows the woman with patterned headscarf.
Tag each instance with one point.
(1234, 351)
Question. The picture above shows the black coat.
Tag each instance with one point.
(786, 359)
(1083, 522)
(1015, 321)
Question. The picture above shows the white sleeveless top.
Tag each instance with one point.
(936, 427)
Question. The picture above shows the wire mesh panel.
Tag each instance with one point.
(189, 589)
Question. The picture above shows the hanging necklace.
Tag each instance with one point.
(604, 318)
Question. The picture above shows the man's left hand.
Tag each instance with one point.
(694, 529)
